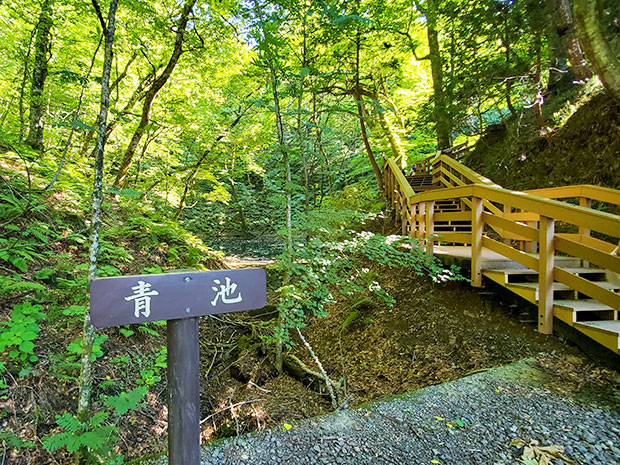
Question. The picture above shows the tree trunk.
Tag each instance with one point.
(204, 155)
(558, 64)
(76, 118)
(235, 196)
(572, 46)
(319, 145)
(85, 381)
(159, 82)
(135, 97)
(360, 113)
(22, 89)
(443, 124)
(42, 49)
(598, 50)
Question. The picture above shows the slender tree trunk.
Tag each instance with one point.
(572, 46)
(85, 382)
(598, 50)
(22, 90)
(152, 93)
(235, 196)
(443, 123)
(558, 63)
(397, 149)
(75, 119)
(360, 113)
(300, 137)
(42, 49)
(319, 146)
(192, 175)
(135, 97)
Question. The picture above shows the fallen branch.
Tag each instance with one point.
(230, 407)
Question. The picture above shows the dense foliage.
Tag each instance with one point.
(251, 119)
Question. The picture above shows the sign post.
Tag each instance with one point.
(180, 298)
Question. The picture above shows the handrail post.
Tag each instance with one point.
(413, 216)
(403, 216)
(545, 275)
(587, 203)
(422, 220)
(430, 219)
(507, 211)
(477, 227)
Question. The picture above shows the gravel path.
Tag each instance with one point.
(470, 421)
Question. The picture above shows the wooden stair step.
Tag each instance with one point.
(606, 333)
(572, 311)
(563, 287)
(582, 305)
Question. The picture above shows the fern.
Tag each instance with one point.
(126, 400)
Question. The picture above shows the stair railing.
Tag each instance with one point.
(522, 217)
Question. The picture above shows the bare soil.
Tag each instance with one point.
(434, 333)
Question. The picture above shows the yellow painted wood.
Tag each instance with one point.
(458, 238)
(456, 181)
(603, 222)
(430, 215)
(468, 173)
(513, 254)
(522, 217)
(401, 181)
(565, 314)
(452, 216)
(477, 228)
(588, 288)
(586, 191)
(520, 231)
(412, 224)
(604, 338)
(498, 276)
(529, 294)
(545, 275)
(591, 255)
(587, 203)
(422, 220)
(597, 244)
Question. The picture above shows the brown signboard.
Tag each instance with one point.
(138, 299)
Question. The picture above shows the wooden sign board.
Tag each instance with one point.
(171, 296)
(180, 298)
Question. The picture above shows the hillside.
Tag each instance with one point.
(584, 147)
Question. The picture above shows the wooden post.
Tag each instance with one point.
(587, 203)
(477, 227)
(183, 392)
(507, 210)
(412, 224)
(404, 210)
(422, 220)
(545, 275)
(430, 218)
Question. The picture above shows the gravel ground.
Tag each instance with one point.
(470, 421)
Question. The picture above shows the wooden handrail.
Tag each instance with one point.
(603, 222)
(587, 191)
(533, 223)
(468, 173)
(404, 185)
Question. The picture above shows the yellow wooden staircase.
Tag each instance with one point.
(553, 247)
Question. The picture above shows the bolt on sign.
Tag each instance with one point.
(180, 298)
(138, 299)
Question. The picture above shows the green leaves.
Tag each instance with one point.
(127, 400)
(76, 124)
(17, 334)
(95, 436)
